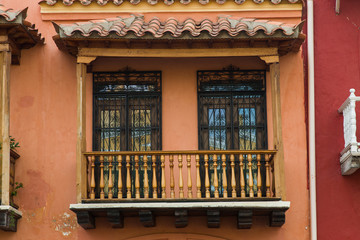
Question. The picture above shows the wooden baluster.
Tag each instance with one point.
(242, 179)
(172, 180)
(251, 181)
(207, 182)
(92, 178)
(111, 184)
(216, 181)
(224, 178)
(258, 158)
(120, 183)
(137, 180)
(163, 182)
(233, 181)
(102, 184)
(198, 180)
(188, 159)
(154, 181)
(267, 175)
(128, 179)
(146, 178)
(181, 182)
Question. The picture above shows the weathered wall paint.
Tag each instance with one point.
(43, 120)
(337, 70)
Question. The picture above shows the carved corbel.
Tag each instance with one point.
(270, 59)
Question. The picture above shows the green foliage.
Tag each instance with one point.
(17, 186)
(13, 144)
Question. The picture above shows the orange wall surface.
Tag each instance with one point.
(43, 120)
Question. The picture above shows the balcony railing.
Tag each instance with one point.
(350, 156)
(180, 175)
(181, 183)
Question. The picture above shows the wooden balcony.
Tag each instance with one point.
(8, 209)
(182, 184)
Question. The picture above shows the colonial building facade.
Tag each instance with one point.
(153, 120)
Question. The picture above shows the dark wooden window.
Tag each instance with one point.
(126, 117)
(232, 112)
(127, 111)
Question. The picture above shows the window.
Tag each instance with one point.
(232, 114)
(127, 111)
(126, 117)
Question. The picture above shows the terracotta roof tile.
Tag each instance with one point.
(153, 2)
(137, 26)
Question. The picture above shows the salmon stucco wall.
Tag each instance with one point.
(43, 120)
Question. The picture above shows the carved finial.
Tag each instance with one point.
(352, 92)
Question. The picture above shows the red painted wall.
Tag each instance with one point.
(337, 69)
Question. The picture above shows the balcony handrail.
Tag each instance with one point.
(349, 113)
(184, 152)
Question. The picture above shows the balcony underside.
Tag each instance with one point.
(243, 211)
(8, 218)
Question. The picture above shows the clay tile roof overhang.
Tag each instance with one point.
(21, 33)
(135, 32)
(153, 2)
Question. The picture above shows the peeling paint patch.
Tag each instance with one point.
(65, 223)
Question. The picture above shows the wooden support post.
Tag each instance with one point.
(198, 180)
(81, 132)
(128, 179)
(5, 60)
(224, 178)
(233, 181)
(277, 131)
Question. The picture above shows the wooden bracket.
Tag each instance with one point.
(277, 218)
(181, 218)
(147, 218)
(85, 219)
(244, 219)
(115, 218)
(86, 60)
(270, 59)
(213, 218)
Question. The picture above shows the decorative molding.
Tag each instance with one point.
(153, 2)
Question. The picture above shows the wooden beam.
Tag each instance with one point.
(5, 60)
(81, 184)
(270, 59)
(215, 52)
(277, 131)
(86, 60)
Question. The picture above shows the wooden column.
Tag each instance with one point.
(279, 172)
(81, 174)
(5, 61)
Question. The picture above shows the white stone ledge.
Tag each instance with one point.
(181, 205)
(10, 209)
